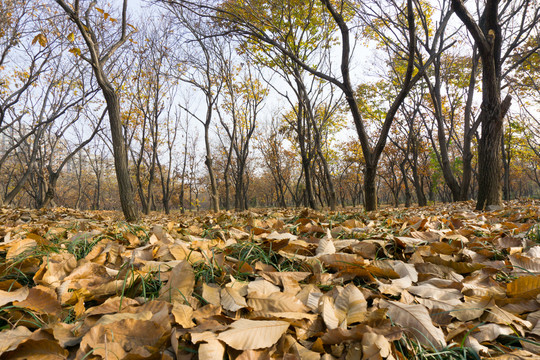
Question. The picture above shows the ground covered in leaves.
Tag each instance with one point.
(440, 282)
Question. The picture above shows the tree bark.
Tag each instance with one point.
(97, 61)
(488, 37)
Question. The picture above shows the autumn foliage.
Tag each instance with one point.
(442, 282)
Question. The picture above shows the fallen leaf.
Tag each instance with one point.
(350, 305)
(415, 320)
(276, 302)
(232, 300)
(326, 245)
(180, 285)
(246, 334)
(183, 315)
(328, 312)
(213, 349)
(527, 287)
(10, 339)
(7, 297)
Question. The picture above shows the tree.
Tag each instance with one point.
(250, 19)
(101, 49)
(243, 103)
(150, 94)
(489, 37)
(200, 69)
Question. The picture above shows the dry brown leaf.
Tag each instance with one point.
(536, 329)
(262, 287)
(489, 332)
(42, 301)
(180, 285)
(206, 312)
(495, 314)
(375, 346)
(240, 286)
(526, 264)
(19, 246)
(405, 270)
(232, 300)
(211, 293)
(459, 266)
(527, 287)
(288, 280)
(246, 334)
(351, 305)
(112, 318)
(183, 315)
(43, 349)
(274, 235)
(340, 335)
(415, 320)
(310, 296)
(10, 339)
(7, 297)
(471, 309)
(211, 350)
(63, 333)
(429, 291)
(55, 268)
(328, 312)
(299, 351)
(286, 316)
(89, 275)
(131, 336)
(205, 336)
(326, 245)
(276, 302)
(111, 306)
(254, 355)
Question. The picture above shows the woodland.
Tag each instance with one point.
(300, 179)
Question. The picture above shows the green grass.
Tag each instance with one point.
(250, 253)
(534, 233)
(412, 349)
(136, 284)
(81, 246)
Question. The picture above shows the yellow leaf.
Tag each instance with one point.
(75, 51)
(524, 287)
(71, 37)
(41, 39)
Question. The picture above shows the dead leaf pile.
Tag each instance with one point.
(295, 284)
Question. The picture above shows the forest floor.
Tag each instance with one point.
(437, 282)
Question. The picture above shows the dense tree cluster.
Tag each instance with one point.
(214, 104)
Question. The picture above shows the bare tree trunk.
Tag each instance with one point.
(506, 165)
(214, 196)
(488, 37)
(97, 61)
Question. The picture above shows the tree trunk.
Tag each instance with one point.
(506, 165)
(370, 187)
(51, 189)
(408, 195)
(469, 130)
(121, 166)
(488, 37)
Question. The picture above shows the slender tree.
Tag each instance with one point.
(100, 54)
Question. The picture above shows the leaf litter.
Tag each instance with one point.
(439, 282)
